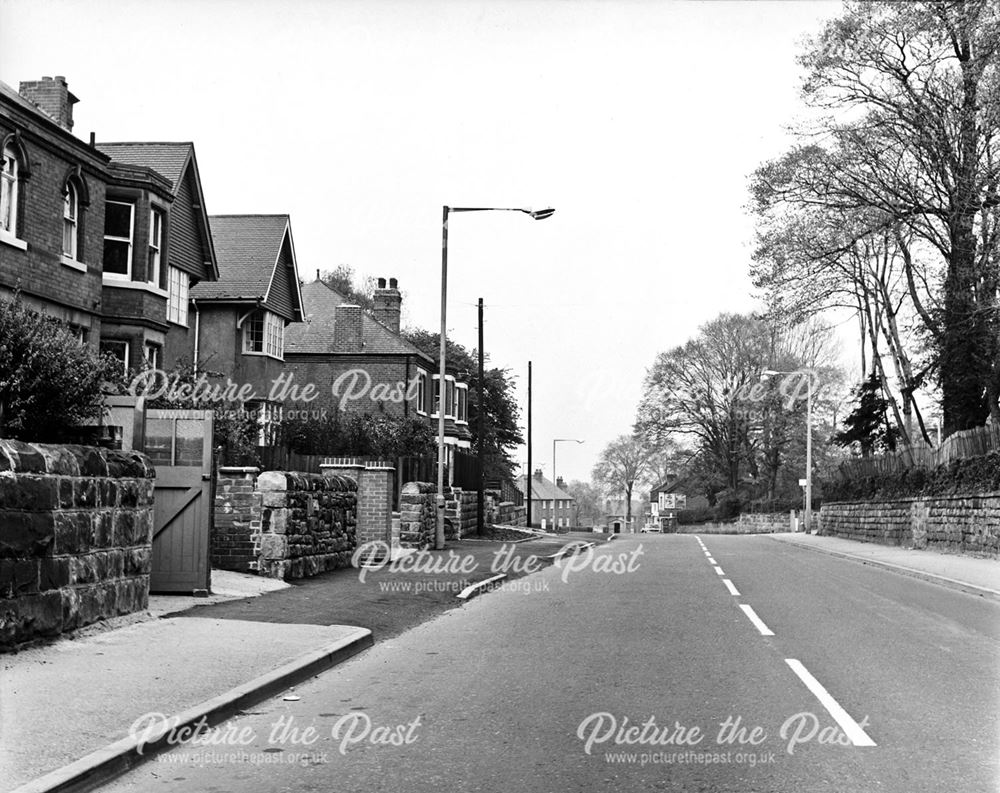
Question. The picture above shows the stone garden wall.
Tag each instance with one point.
(284, 524)
(76, 526)
(964, 524)
(417, 515)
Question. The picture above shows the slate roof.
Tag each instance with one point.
(247, 247)
(167, 159)
(315, 334)
(544, 490)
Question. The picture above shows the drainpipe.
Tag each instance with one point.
(197, 329)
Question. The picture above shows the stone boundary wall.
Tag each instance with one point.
(76, 527)
(963, 524)
(417, 515)
(763, 523)
(308, 523)
(509, 514)
(234, 542)
(460, 510)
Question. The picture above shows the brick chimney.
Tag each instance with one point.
(387, 304)
(53, 97)
(347, 329)
(538, 474)
(559, 483)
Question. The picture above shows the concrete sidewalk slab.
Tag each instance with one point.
(971, 574)
(65, 701)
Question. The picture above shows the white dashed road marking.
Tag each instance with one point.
(729, 585)
(850, 727)
(757, 621)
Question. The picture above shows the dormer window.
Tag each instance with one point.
(71, 214)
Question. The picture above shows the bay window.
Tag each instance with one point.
(178, 284)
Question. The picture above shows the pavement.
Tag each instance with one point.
(69, 709)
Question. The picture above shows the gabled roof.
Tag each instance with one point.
(248, 248)
(315, 335)
(172, 161)
(167, 159)
(544, 489)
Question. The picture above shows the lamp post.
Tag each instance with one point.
(539, 214)
(809, 390)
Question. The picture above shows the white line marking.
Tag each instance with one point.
(718, 570)
(758, 623)
(850, 727)
(729, 585)
(465, 593)
(711, 560)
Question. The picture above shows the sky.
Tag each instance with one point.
(639, 122)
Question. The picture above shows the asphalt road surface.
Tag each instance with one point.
(666, 663)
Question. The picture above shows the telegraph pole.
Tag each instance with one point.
(479, 431)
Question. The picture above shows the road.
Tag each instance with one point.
(699, 664)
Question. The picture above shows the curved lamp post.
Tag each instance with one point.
(536, 214)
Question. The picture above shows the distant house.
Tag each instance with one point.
(243, 318)
(52, 188)
(549, 502)
(670, 496)
(157, 248)
(360, 363)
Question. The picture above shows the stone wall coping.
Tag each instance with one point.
(238, 469)
(18, 457)
(277, 481)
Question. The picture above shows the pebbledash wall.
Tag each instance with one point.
(76, 528)
(964, 524)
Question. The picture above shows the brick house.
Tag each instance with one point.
(244, 316)
(52, 195)
(360, 363)
(157, 247)
(549, 502)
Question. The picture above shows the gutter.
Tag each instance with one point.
(197, 329)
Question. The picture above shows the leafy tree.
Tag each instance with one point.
(501, 419)
(49, 382)
(342, 278)
(587, 503)
(621, 467)
(909, 101)
(868, 427)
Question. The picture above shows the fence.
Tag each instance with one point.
(973, 442)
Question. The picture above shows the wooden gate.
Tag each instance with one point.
(179, 444)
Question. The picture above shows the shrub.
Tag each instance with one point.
(971, 475)
(49, 382)
(688, 517)
(361, 435)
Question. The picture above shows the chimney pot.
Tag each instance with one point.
(393, 284)
(381, 283)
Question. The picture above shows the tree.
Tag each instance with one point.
(622, 465)
(50, 384)
(868, 427)
(910, 100)
(343, 280)
(501, 420)
(586, 502)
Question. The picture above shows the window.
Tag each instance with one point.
(422, 392)
(437, 395)
(118, 349)
(463, 404)
(177, 300)
(8, 191)
(449, 398)
(118, 230)
(155, 245)
(80, 333)
(264, 333)
(71, 209)
(152, 355)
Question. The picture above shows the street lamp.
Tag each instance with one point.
(539, 214)
(809, 390)
(554, 442)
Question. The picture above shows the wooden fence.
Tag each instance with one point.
(974, 442)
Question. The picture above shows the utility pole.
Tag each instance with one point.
(527, 479)
(479, 431)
